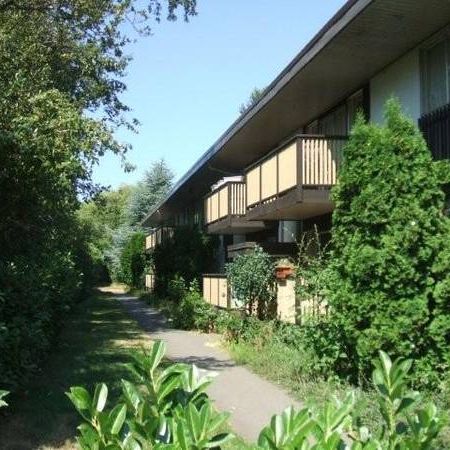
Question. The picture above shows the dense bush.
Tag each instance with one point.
(188, 254)
(252, 278)
(44, 260)
(170, 409)
(388, 282)
(133, 261)
(189, 310)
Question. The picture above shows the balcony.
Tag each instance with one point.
(274, 249)
(150, 282)
(293, 182)
(435, 128)
(215, 290)
(225, 210)
(157, 237)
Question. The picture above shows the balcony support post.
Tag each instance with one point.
(299, 188)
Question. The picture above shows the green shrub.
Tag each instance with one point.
(133, 261)
(252, 278)
(36, 293)
(388, 282)
(168, 409)
(191, 312)
(188, 254)
(177, 289)
(311, 274)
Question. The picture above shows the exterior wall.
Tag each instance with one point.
(400, 79)
(286, 309)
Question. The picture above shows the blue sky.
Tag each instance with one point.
(187, 81)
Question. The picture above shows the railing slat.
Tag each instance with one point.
(229, 200)
(435, 127)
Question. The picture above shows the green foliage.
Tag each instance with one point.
(388, 282)
(177, 289)
(252, 277)
(338, 426)
(3, 394)
(255, 96)
(149, 192)
(168, 409)
(132, 261)
(188, 254)
(112, 219)
(59, 106)
(104, 218)
(311, 273)
(189, 311)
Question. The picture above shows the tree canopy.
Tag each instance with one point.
(254, 98)
(62, 64)
(152, 189)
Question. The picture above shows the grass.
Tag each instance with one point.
(95, 346)
(283, 365)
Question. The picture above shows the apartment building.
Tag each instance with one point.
(281, 157)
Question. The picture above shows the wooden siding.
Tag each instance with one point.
(157, 236)
(228, 200)
(215, 290)
(306, 162)
(149, 282)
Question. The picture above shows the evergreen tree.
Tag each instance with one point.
(389, 280)
(151, 190)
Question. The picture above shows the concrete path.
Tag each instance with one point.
(251, 400)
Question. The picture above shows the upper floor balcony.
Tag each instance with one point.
(294, 180)
(225, 210)
(157, 237)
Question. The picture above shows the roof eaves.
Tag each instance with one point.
(298, 62)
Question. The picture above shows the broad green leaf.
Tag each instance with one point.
(117, 418)
(80, 397)
(100, 397)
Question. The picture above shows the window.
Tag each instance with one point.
(355, 104)
(339, 121)
(436, 76)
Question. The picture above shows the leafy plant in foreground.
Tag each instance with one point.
(406, 426)
(169, 409)
(3, 394)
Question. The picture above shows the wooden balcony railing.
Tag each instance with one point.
(226, 201)
(304, 162)
(150, 241)
(150, 282)
(157, 236)
(435, 128)
(215, 290)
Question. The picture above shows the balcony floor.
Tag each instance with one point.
(294, 205)
(235, 225)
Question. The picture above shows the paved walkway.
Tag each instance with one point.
(251, 400)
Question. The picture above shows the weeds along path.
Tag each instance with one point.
(251, 400)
